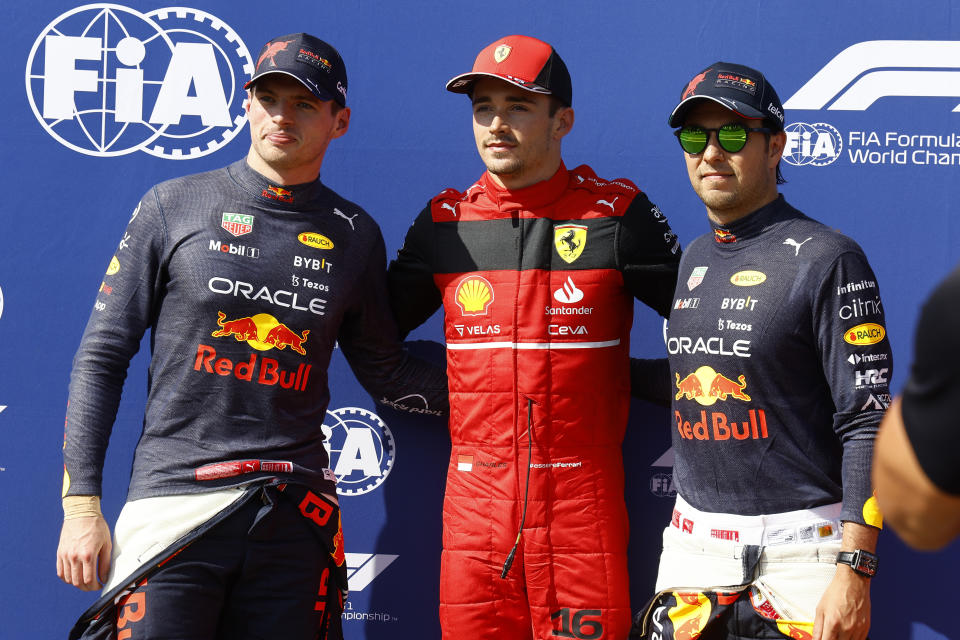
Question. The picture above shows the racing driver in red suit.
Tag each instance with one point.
(536, 267)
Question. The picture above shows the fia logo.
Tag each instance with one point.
(106, 80)
(361, 449)
(817, 144)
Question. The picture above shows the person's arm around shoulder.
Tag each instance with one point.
(922, 515)
(414, 296)
(83, 555)
(648, 254)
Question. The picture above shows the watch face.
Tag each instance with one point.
(866, 563)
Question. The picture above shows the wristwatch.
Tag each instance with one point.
(863, 562)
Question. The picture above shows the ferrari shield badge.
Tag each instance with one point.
(500, 53)
(570, 240)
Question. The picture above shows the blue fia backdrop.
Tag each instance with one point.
(156, 93)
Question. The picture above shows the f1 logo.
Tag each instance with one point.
(926, 68)
(362, 568)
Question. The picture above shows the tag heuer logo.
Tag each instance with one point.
(237, 224)
(696, 277)
(500, 53)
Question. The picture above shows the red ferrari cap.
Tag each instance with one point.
(523, 61)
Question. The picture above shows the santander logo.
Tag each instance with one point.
(568, 293)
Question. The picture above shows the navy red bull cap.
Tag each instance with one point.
(316, 64)
(523, 61)
(743, 90)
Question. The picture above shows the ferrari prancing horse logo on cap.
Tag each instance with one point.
(500, 53)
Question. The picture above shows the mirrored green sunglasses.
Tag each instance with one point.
(731, 137)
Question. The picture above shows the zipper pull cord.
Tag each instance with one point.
(526, 490)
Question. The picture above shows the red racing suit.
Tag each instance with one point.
(537, 287)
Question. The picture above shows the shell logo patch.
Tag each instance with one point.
(474, 295)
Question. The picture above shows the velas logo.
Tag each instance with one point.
(315, 240)
(864, 72)
(706, 386)
(817, 144)
(262, 332)
(361, 447)
(474, 295)
(748, 278)
(864, 334)
(237, 224)
(570, 241)
(107, 80)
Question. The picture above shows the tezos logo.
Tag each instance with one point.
(361, 449)
(816, 144)
(106, 80)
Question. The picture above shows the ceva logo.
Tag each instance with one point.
(106, 80)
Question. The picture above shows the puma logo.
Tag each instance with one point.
(795, 244)
(609, 204)
(447, 205)
(346, 217)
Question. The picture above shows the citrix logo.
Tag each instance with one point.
(107, 80)
(918, 68)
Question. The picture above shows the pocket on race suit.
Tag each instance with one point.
(794, 577)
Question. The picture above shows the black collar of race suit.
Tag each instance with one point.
(733, 235)
(293, 197)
